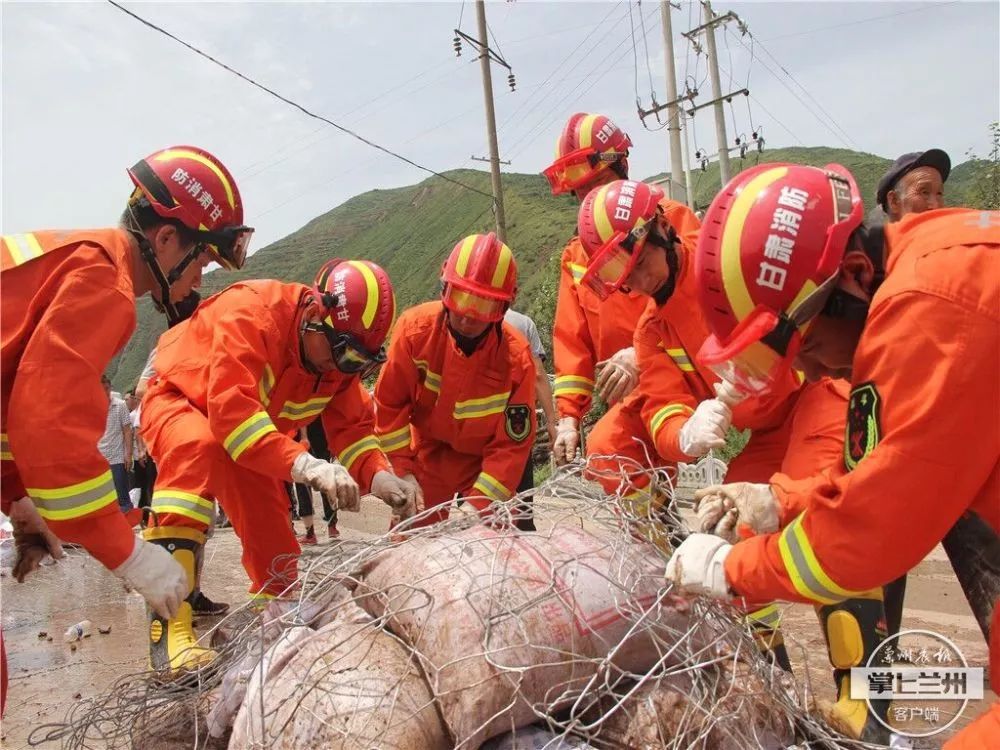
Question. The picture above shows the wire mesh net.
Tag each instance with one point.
(468, 634)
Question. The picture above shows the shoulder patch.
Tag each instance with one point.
(864, 424)
(517, 420)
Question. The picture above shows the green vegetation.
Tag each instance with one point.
(410, 230)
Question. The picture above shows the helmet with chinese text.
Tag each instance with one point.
(588, 147)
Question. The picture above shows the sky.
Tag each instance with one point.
(88, 90)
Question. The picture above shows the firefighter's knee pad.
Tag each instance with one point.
(853, 630)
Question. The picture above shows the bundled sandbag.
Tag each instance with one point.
(347, 685)
(510, 627)
(728, 706)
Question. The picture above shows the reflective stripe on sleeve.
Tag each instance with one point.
(247, 433)
(566, 385)
(491, 487)
(75, 500)
(576, 271)
(804, 570)
(432, 380)
(769, 616)
(295, 410)
(394, 441)
(681, 359)
(351, 453)
(22, 247)
(661, 416)
(184, 504)
(5, 453)
(481, 407)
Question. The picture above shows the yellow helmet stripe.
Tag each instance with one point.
(733, 280)
(601, 219)
(176, 153)
(371, 303)
(586, 131)
(503, 265)
(465, 253)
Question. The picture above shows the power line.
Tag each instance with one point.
(929, 6)
(292, 103)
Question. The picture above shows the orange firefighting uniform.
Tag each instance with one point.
(229, 386)
(588, 330)
(459, 424)
(68, 307)
(923, 440)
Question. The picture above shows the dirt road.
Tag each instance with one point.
(46, 676)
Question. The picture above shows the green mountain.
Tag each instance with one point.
(410, 230)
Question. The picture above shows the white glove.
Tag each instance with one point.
(722, 508)
(154, 573)
(617, 376)
(333, 479)
(706, 428)
(729, 394)
(698, 566)
(398, 494)
(567, 442)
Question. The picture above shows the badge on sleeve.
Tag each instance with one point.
(517, 418)
(864, 424)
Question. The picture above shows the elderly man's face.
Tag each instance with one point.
(915, 192)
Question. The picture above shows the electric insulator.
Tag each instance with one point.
(511, 81)
(704, 165)
(697, 154)
(743, 150)
(755, 135)
(457, 44)
(737, 140)
(760, 144)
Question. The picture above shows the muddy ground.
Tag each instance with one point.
(47, 676)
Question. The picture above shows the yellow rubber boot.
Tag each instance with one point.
(173, 644)
(770, 642)
(853, 630)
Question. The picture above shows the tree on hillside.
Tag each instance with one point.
(985, 189)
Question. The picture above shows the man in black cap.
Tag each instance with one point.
(914, 183)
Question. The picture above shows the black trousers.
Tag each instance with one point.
(525, 511)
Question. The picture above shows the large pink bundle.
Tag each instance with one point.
(511, 625)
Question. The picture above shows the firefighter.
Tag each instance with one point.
(592, 337)
(68, 308)
(796, 429)
(255, 361)
(455, 401)
(909, 313)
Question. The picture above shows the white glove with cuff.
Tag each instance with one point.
(154, 573)
(333, 479)
(698, 566)
(705, 429)
(723, 508)
(567, 442)
(617, 376)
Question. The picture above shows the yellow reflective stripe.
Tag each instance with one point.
(301, 410)
(351, 453)
(75, 500)
(432, 381)
(668, 411)
(491, 487)
(602, 222)
(577, 271)
(481, 407)
(183, 503)
(5, 453)
(247, 433)
(464, 253)
(23, 247)
(175, 153)
(266, 385)
(681, 359)
(769, 616)
(503, 265)
(393, 441)
(371, 303)
(586, 130)
(804, 570)
(566, 385)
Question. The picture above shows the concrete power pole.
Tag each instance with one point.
(673, 111)
(491, 121)
(720, 115)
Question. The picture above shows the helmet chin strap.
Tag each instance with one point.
(164, 281)
(845, 305)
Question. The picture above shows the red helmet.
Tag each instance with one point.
(192, 186)
(768, 257)
(613, 223)
(479, 279)
(360, 308)
(589, 145)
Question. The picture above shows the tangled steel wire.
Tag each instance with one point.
(459, 634)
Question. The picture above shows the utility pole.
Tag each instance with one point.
(720, 115)
(673, 111)
(491, 120)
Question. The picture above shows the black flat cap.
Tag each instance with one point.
(906, 163)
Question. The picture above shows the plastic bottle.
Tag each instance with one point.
(78, 632)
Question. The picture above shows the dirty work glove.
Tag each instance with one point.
(32, 538)
(398, 494)
(705, 429)
(154, 573)
(418, 492)
(698, 566)
(736, 510)
(567, 443)
(330, 478)
(617, 376)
